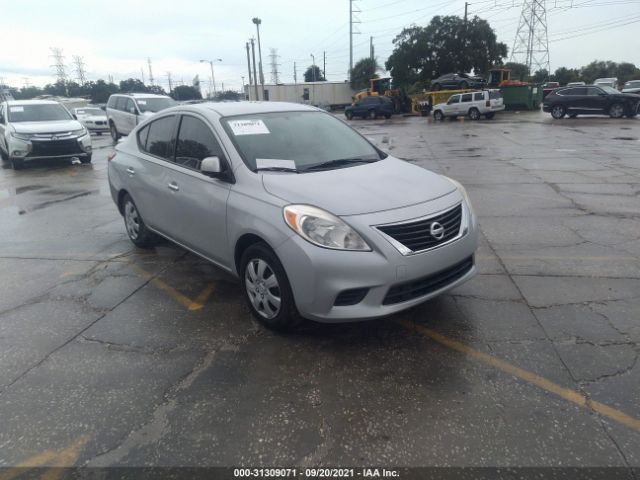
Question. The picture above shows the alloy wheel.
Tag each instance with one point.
(262, 288)
(132, 220)
(616, 110)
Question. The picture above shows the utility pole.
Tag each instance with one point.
(257, 21)
(249, 68)
(466, 9)
(531, 45)
(150, 72)
(142, 72)
(295, 73)
(255, 76)
(371, 52)
(313, 68)
(324, 64)
(169, 81)
(352, 20)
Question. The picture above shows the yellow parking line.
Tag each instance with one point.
(573, 396)
(203, 297)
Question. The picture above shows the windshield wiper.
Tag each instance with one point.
(276, 169)
(338, 162)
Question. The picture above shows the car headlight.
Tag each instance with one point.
(80, 132)
(22, 136)
(465, 195)
(322, 228)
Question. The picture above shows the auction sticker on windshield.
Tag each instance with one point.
(248, 127)
(16, 109)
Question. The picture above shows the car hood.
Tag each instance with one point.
(366, 188)
(47, 127)
(93, 118)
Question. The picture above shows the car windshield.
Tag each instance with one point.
(297, 140)
(154, 104)
(38, 113)
(608, 89)
(90, 111)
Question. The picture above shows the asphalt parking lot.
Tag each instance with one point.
(111, 355)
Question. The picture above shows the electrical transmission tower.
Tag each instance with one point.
(58, 64)
(275, 75)
(531, 45)
(79, 65)
(352, 21)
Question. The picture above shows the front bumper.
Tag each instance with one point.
(318, 275)
(37, 149)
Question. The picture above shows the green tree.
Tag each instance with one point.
(447, 44)
(27, 93)
(362, 72)
(598, 69)
(314, 74)
(540, 76)
(157, 89)
(626, 71)
(58, 89)
(228, 95)
(133, 85)
(564, 75)
(519, 71)
(100, 91)
(186, 92)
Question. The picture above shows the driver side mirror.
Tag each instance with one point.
(75, 117)
(211, 166)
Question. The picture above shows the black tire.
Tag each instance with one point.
(372, 115)
(558, 111)
(285, 315)
(438, 116)
(86, 159)
(387, 116)
(115, 135)
(349, 115)
(464, 85)
(435, 87)
(17, 163)
(3, 157)
(490, 115)
(137, 231)
(474, 114)
(616, 110)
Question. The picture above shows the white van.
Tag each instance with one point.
(126, 110)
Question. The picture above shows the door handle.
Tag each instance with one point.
(174, 186)
(131, 171)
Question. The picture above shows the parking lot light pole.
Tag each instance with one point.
(257, 22)
(313, 67)
(213, 78)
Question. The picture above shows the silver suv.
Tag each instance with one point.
(471, 104)
(315, 220)
(125, 111)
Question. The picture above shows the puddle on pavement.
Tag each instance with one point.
(28, 188)
(625, 138)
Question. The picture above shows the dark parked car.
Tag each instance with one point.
(457, 81)
(548, 87)
(371, 107)
(591, 100)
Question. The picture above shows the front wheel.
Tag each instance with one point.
(86, 159)
(138, 232)
(438, 116)
(17, 163)
(558, 111)
(267, 289)
(616, 110)
(474, 114)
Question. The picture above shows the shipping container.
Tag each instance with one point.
(330, 95)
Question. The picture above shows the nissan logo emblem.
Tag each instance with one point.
(437, 231)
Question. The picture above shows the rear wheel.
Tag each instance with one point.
(372, 115)
(114, 132)
(138, 232)
(489, 115)
(474, 114)
(267, 289)
(616, 110)
(86, 159)
(558, 111)
(349, 115)
(438, 116)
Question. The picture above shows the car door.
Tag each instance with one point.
(575, 99)
(129, 116)
(453, 105)
(596, 100)
(118, 115)
(449, 82)
(3, 129)
(466, 101)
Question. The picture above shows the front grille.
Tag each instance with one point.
(100, 122)
(55, 147)
(352, 296)
(417, 236)
(425, 285)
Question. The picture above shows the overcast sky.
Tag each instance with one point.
(115, 37)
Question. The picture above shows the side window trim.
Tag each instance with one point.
(216, 137)
(175, 133)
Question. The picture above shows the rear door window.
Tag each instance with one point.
(478, 96)
(454, 99)
(466, 97)
(160, 138)
(196, 142)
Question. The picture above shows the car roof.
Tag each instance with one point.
(32, 102)
(140, 95)
(225, 109)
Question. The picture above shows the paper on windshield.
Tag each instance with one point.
(248, 127)
(141, 102)
(16, 109)
(274, 162)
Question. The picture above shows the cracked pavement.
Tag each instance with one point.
(152, 358)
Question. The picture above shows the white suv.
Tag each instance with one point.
(473, 104)
(125, 111)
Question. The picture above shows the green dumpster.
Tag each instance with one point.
(522, 97)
